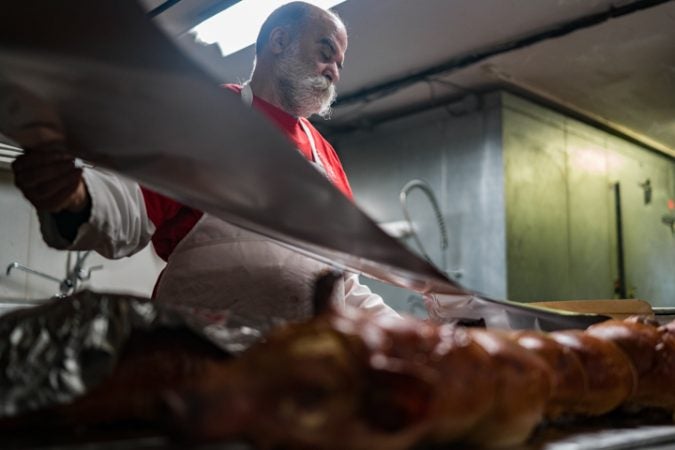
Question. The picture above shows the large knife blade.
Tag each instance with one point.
(132, 102)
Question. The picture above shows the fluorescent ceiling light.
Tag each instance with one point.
(237, 26)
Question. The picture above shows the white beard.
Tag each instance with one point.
(302, 93)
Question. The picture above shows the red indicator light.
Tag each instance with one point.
(671, 203)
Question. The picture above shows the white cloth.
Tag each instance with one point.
(221, 266)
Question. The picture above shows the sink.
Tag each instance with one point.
(9, 304)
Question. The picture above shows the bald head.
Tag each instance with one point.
(293, 17)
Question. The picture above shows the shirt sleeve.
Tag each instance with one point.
(118, 225)
(360, 296)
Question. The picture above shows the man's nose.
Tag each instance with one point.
(332, 72)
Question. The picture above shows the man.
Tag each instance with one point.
(210, 263)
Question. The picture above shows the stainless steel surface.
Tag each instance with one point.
(459, 156)
(656, 436)
(8, 305)
(7, 153)
(560, 210)
(552, 191)
(591, 221)
(538, 238)
(644, 437)
(664, 314)
(649, 245)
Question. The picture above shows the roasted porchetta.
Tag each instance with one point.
(346, 380)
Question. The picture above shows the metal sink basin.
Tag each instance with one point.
(9, 304)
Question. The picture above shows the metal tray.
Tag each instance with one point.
(654, 432)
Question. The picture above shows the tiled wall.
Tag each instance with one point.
(21, 242)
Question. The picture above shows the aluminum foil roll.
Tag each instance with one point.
(55, 352)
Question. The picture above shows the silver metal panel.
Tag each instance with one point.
(460, 157)
(591, 220)
(475, 185)
(649, 244)
(567, 211)
(379, 164)
(557, 201)
(536, 207)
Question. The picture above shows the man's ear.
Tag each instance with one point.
(279, 40)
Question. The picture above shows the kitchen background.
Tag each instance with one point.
(528, 200)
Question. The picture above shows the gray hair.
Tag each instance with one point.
(292, 16)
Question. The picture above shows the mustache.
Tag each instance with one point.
(319, 82)
(303, 92)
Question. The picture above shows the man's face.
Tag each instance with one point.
(310, 66)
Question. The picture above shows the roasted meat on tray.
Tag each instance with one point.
(346, 380)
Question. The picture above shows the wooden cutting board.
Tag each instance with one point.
(616, 309)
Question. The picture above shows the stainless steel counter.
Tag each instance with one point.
(7, 305)
(582, 435)
(664, 314)
(647, 436)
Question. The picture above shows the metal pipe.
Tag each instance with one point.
(403, 197)
(74, 275)
(620, 284)
(16, 265)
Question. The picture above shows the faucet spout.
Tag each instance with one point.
(74, 275)
(16, 265)
(11, 266)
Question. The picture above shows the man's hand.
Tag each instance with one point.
(46, 173)
(49, 179)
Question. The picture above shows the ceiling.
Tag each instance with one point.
(610, 62)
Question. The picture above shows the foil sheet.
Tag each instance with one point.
(55, 352)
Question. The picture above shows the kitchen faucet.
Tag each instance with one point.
(69, 283)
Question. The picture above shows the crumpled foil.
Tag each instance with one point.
(57, 351)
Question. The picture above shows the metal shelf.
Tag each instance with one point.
(7, 154)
